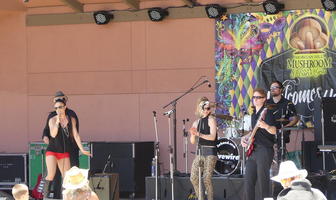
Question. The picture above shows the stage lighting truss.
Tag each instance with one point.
(329, 5)
(215, 11)
(102, 17)
(272, 7)
(157, 14)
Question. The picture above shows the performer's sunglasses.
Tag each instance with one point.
(258, 97)
(207, 108)
(59, 107)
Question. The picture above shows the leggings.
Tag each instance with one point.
(207, 164)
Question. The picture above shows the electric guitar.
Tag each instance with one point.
(250, 144)
(37, 192)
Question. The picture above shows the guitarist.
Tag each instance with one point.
(259, 161)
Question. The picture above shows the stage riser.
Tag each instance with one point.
(225, 188)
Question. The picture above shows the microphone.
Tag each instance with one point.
(207, 81)
(168, 112)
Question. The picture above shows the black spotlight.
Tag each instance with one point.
(215, 11)
(329, 5)
(272, 7)
(157, 14)
(102, 17)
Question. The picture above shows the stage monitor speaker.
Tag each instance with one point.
(312, 158)
(131, 160)
(106, 186)
(329, 116)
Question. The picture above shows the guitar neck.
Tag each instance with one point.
(254, 131)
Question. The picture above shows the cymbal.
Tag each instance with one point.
(222, 116)
(282, 120)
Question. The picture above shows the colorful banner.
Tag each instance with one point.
(294, 47)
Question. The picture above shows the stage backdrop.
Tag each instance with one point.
(295, 47)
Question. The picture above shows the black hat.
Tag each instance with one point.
(59, 94)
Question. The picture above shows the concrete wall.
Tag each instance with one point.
(114, 76)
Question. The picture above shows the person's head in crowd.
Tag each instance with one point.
(20, 192)
(82, 193)
(76, 185)
(75, 178)
(288, 172)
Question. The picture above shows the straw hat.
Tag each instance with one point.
(288, 169)
(75, 178)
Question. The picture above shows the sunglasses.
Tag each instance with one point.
(59, 107)
(275, 87)
(207, 108)
(258, 97)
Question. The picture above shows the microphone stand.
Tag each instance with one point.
(171, 154)
(323, 142)
(185, 149)
(173, 103)
(157, 152)
(242, 169)
(200, 194)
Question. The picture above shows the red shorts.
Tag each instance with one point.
(58, 155)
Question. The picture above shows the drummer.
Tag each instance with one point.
(284, 114)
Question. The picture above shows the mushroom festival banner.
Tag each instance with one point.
(295, 47)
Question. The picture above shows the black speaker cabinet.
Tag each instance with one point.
(312, 158)
(329, 115)
(13, 170)
(131, 160)
(106, 186)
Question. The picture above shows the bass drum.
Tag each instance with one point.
(228, 157)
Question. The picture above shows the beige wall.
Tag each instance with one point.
(114, 75)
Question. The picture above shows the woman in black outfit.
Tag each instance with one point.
(205, 131)
(62, 131)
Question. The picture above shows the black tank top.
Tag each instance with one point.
(62, 142)
(204, 128)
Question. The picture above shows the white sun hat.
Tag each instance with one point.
(75, 178)
(288, 169)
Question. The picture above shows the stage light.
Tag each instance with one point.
(329, 5)
(215, 11)
(157, 14)
(102, 17)
(272, 7)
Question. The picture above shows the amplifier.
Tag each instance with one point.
(13, 168)
(106, 186)
(37, 160)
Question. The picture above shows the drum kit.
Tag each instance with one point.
(230, 153)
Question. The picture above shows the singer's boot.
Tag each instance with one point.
(46, 189)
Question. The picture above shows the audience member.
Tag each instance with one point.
(20, 192)
(295, 184)
(76, 185)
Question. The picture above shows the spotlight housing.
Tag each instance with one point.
(157, 14)
(329, 5)
(272, 7)
(215, 11)
(102, 17)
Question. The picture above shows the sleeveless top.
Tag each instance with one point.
(62, 142)
(204, 128)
